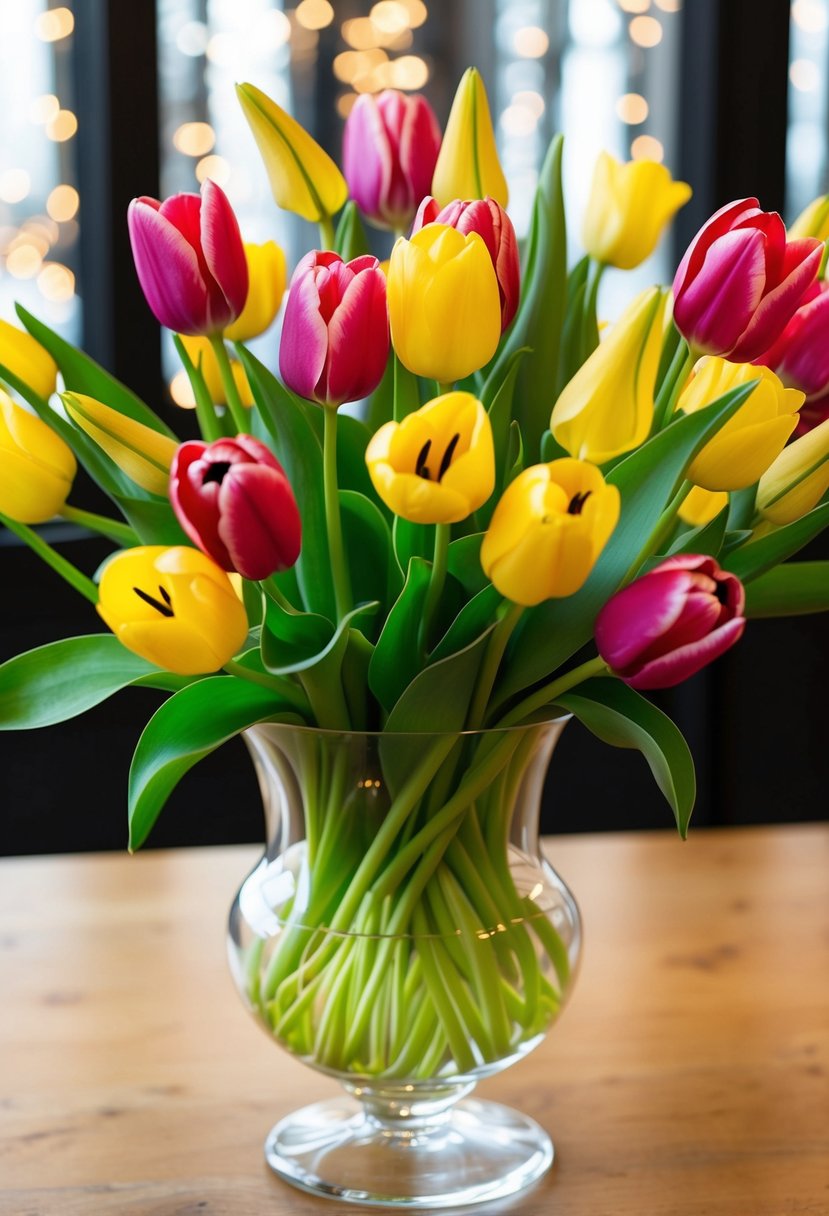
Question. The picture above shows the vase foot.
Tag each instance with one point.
(478, 1151)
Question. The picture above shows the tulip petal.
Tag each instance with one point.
(679, 665)
(777, 307)
(633, 619)
(168, 270)
(258, 521)
(303, 347)
(717, 306)
(718, 225)
(358, 337)
(224, 252)
(367, 160)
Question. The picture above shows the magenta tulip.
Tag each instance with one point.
(671, 622)
(190, 260)
(811, 415)
(740, 282)
(233, 500)
(390, 150)
(335, 336)
(800, 356)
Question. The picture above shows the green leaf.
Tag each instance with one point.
(475, 617)
(708, 538)
(464, 563)
(500, 417)
(187, 727)
(551, 449)
(301, 655)
(412, 540)
(406, 391)
(396, 659)
(758, 556)
(572, 352)
(350, 240)
(381, 401)
(153, 519)
(515, 454)
(62, 679)
(618, 715)
(375, 574)
(790, 590)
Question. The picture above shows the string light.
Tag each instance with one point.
(315, 14)
(809, 15)
(54, 24)
(531, 42)
(390, 17)
(56, 282)
(345, 104)
(181, 391)
(632, 108)
(62, 127)
(634, 6)
(669, 6)
(646, 147)
(63, 202)
(646, 31)
(194, 138)
(44, 108)
(214, 167)
(804, 75)
(14, 185)
(192, 38)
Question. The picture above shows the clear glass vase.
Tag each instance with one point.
(403, 934)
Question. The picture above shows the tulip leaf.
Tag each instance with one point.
(350, 240)
(381, 401)
(758, 556)
(412, 540)
(708, 538)
(618, 715)
(375, 574)
(551, 449)
(476, 616)
(500, 418)
(741, 508)
(83, 375)
(62, 679)
(515, 454)
(464, 562)
(303, 657)
(793, 589)
(396, 659)
(572, 350)
(153, 519)
(406, 391)
(186, 728)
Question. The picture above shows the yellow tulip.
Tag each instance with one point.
(437, 466)
(444, 304)
(812, 221)
(267, 280)
(744, 448)
(36, 467)
(174, 607)
(143, 454)
(468, 165)
(548, 530)
(798, 478)
(304, 179)
(607, 408)
(701, 506)
(27, 359)
(629, 206)
(200, 349)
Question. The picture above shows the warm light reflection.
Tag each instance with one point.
(214, 167)
(531, 42)
(273, 30)
(181, 392)
(361, 33)
(647, 147)
(634, 6)
(417, 11)
(43, 230)
(62, 127)
(530, 100)
(669, 6)
(804, 75)
(407, 72)
(350, 65)
(54, 24)
(809, 15)
(62, 204)
(56, 282)
(389, 16)
(645, 31)
(194, 138)
(191, 39)
(632, 108)
(14, 185)
(44, 108)
(345, 104)
(315, 14)
(24, 259)
(518, 120)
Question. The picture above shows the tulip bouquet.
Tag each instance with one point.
(520, 521)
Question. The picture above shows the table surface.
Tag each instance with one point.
(688, 1077)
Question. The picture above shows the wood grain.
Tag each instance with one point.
(689, 1077)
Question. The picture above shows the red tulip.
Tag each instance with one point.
(800, 356)
(740, 282)
(810, 415)
(190, 259)
(233, 500)
(671, 622)
(390, 150)
(335, 336)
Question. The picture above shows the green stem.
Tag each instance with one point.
(662, 529)
(548, 693)
(274, 592)
(339, 568)
(435, 589)
(672, 386)
(328, 236)
(234, 402)
(496, 646)
(283, 688)
(122, 534)
(52, 558)
(590, 313)
(209, 424)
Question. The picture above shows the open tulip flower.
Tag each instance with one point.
(629, 206)
(36, 467)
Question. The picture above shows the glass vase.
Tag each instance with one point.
(404, 935)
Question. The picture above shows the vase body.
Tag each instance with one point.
(403, 934)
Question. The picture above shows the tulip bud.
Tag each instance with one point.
(607, 408)
(740, 282)
(437, 466)
(390, 148)
(143, 454)
(548, 530)
(26, 358)
(747, 444)
(468, 165)
(335, 335)
(813, 220)
(233, 500)
(173, 607)
(202, 354)
(267, 278)
(798, 479)
(800, 356)
(36, 467)
(444, 303)
(190, 259)
(671, 622)
(303, 178)
(701, 506)
(629, 206)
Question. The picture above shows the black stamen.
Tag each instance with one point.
(577, 502)
(165, 595)
(164, 609)
(420, 463)
(447, 455)
(215, 471)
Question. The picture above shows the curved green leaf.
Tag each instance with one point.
(708, 538)
(350, 240)
(396, 659)
(273, 654)
(476, 616)
(751, 560)
(464, 562)
(375, 574)
(793, 589)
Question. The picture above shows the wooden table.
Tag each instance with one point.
(689, 1077)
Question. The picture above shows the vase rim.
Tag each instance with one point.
(316, 731)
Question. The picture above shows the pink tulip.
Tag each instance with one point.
(233, 500)
(671, 622)
(740, 282)
(335, 336)
(491, 222)
(800, 356)
(190, 259)
(390, 150)
(811, 415)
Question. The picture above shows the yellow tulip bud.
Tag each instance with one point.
(798, 478)
(27, 359)
(267, 280)
(143, 454)
(36, 467)
(607, 408)
(468, 165)
(444, 304)
(812, 221)
(629, 206)
(303, 177)
(743, 449)
(199, 349)
(701, 506)
(548, 530)
(174, 607)
(437, 466)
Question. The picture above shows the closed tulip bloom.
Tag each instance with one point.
(746, 445)
(468, 165)
(36, 467)
(740, 282)
(444, 303)
(701, 506)
(335, 334)
(797, 480)
(143, 454)
(174, 607)
(303, 178)
(390, 148)
(548, 530)
(202, 355)
(629, 206)
(26, 358)
(267, 279)
(671, 622)
(233, 500)
(813, 220)
(607, 408)
(800, 356)
(190, 259)
(437, 466)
